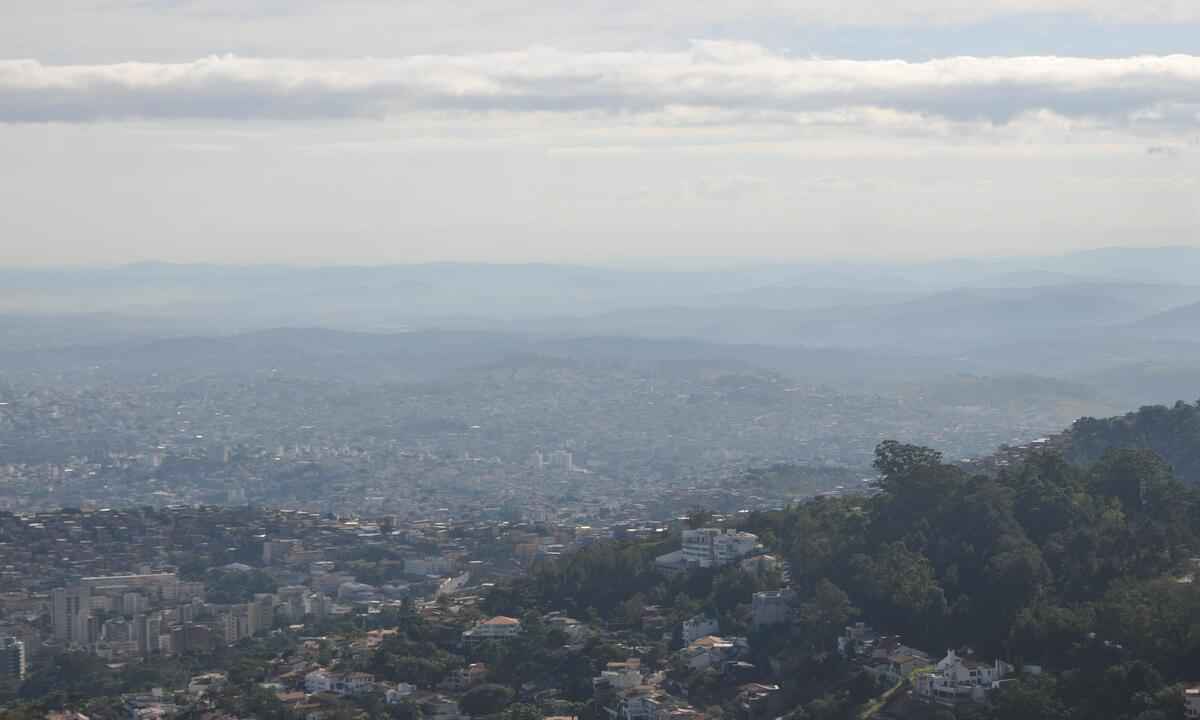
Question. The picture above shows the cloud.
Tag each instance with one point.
(710, 78)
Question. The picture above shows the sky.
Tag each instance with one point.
(376, 131)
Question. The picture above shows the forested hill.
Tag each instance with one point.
(1083, 570)
(1171, 432)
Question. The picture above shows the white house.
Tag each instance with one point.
(397, 694)
(319, 681)
(497, 628)
(958, 679)
(1191, 702)
(619, 676)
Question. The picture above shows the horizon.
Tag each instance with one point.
(630, 264)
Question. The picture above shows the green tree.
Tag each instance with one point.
(487, 699)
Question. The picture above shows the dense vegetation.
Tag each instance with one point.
(1173, 433)
(1079, 569)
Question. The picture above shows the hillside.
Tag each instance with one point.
(1171, 432)
(1179, 322)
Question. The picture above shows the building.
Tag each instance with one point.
(70, 610)
(643, 705)
(1191, 702)
(278, 551)
(709, 547)
(206, 683)
(319, 681)
(12, 659)
(713, 651)
(398, 694)
(700, 626)
(562, 461)
(619, 676)
(160, 586)
(576, 632)
(772, 607)
(858, 639)
(957, 679)
(497, 628)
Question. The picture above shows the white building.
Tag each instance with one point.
(71, 608)
(958, 679)
(206, 683)
(319, 681)
(700, 626)
(619, 676)
(714, 547)
(431, 565)
(1191, 702)
(497, 628)
(13, 662)
(397, 694)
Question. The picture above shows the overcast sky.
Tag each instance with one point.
(370, 131)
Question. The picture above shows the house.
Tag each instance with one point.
(896, 667)
(889, 660)
(496, 628)
(619, 676)
(700, 626)
(323, 681)
(398, 694)
(757, 700)
(857, 639)
(576, 631)
(203, 684)
(957, 679)
(679, 713)
(761, 564)
(712, 651)
(1191, 702)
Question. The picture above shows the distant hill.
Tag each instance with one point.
(419, 356)
(1178, 322)
(952, 321)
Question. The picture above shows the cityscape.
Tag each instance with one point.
(602, 360)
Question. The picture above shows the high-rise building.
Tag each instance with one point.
(562, 461)
(12, 658)
(71, 608)
(264, 612)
